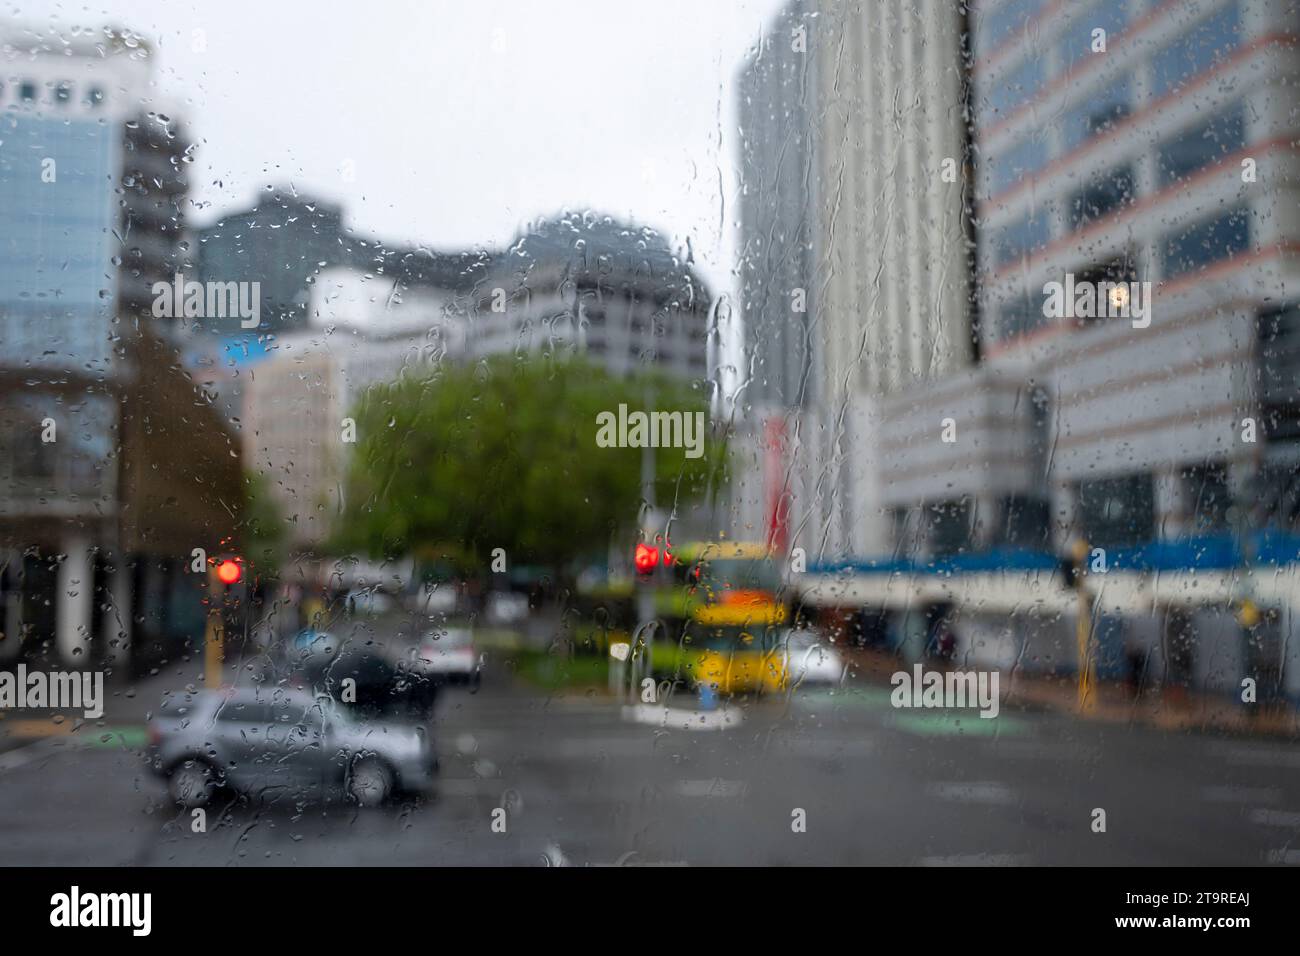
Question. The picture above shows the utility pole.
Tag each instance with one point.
(223, 575)
(1083, 631)
(645, 599)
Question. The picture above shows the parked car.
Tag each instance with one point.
(368, 602)
(442, 598)
(282, 742)
(449, 655)
(506, 607)
(810, 659)
(367, 679)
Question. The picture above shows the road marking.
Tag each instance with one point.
(1035, 748)
(22, 756)
(822, 747)
(81, 732)
(641, 745)
(1232, 794)
(977, 859)
(981, 791)
(716, 787)
(554, 856)
(858, 698)
(1285, 857)
(1276, 818)
(35, 727)
(676, 718)
(1256, 756)
(463, 787)
(945, 724)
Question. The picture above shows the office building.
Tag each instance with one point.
(112, 468)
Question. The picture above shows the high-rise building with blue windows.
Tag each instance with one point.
(95, 430)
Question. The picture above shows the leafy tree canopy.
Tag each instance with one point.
(503, 454)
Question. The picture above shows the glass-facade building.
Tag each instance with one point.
(57, 210)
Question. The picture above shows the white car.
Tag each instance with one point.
(507, 607)
(810, 659)
(368, 602)
(449, 654)
(441, 599)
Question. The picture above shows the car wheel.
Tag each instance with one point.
(369, 782)
(190, 784)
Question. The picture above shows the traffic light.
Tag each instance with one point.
(229, 571)
(645, 557)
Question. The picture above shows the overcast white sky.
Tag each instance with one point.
(462, 120)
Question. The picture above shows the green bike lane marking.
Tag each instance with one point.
(923, 723)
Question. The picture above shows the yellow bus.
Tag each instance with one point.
(728, 596)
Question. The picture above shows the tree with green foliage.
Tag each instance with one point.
(264, 535)
(503, 454)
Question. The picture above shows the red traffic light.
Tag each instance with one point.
(645, 558)
(229, 572)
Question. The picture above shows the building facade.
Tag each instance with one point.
(112, 469)
(586, 283)
(1141, 155)
(365, 330)
(864, 175)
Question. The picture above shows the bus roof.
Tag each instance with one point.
(706, 550)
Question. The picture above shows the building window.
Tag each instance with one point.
(1108, 192)
(95, 96)
(1020, 316)
(949, 527)
(1206, 242)
(1277, 361)
(1099, 114)
(63, 94)
(1201, 47)
(27, 91)
(1018, 240)
(1025, 158)
(1018, 87)
(1277, 496)
(1025, 523)
(1201, 146)
(1122, 268)
(1004, 21)
(1076, 39)
(1205, 493)
(1117, 512)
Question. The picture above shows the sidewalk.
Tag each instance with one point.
(1170, 709)
(127, 704)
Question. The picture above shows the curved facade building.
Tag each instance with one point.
(612, 291)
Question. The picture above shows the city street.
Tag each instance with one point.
(583, 783)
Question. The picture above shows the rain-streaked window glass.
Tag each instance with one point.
(1198, 50)
(1203, 145)
(598, 433)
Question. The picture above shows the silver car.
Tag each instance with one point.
(278, 741)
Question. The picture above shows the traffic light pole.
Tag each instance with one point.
(1087, 690)
(645, 601)
(223, 574)
(214, 649)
